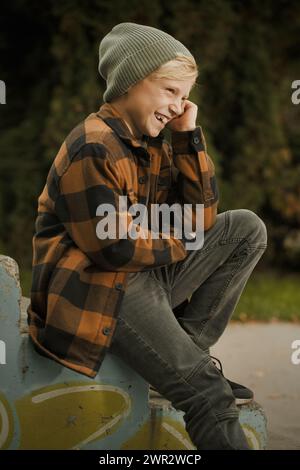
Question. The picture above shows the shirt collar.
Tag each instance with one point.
(114, 119)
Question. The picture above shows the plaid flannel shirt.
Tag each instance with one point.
(79, 280)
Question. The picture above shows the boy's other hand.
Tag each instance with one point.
(187, 120)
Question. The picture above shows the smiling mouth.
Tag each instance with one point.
(161, 118)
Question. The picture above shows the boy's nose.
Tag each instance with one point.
(176, 109)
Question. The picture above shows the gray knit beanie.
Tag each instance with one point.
(130, 52)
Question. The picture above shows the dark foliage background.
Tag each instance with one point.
(248, 55)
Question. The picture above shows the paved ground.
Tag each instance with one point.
(259, 356)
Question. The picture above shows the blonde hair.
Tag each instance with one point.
(181, 68)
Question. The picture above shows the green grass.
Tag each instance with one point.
(268, 296)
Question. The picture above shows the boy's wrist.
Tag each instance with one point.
(187, 141)
(186, 129)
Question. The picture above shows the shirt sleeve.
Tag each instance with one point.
(194, 175)
(90, 181)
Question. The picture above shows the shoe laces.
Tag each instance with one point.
(217, 363)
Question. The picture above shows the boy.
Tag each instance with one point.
(92, 293)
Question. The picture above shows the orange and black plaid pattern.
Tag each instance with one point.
(79, 280)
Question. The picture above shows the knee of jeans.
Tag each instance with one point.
(254, 226)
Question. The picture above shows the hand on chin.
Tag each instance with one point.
(186, 121)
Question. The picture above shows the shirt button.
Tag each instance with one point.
(119, 286)
(142, 179)
(106, 330)
(196, 140)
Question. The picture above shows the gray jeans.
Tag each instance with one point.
(170, 352)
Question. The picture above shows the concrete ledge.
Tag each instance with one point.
(46, 406)
(169, 423)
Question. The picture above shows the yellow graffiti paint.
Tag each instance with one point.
(6, 423)
(67, 416)
(253, 437)
(165, 433)
(160, 433)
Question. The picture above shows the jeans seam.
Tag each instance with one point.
(225, 231)
(161, 287)
(230, 241)
(219, 297)
(260, 246)
(186, 263)
(227, 414)
(253, 246)
(181, 378)
(200, 365)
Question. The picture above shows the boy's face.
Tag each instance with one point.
(143, 104)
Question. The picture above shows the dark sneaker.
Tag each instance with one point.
(241, 393)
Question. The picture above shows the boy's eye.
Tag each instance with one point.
(173, 91)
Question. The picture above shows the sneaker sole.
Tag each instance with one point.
(243, 401)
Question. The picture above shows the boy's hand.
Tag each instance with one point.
(187, 120)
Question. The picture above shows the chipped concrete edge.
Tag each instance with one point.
(12, 269)
(11, 266)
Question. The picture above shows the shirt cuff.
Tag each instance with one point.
(188, 141)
